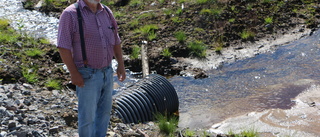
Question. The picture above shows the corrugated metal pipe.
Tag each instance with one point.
(139, 102)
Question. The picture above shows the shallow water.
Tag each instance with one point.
(265, 81)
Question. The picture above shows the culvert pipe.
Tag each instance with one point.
(139, 102)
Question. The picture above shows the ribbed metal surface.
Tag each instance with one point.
(138, 102)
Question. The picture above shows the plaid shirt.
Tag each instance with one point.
(99, 37)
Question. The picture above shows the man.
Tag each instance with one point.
(93, 77)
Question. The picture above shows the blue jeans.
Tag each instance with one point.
(94, 101)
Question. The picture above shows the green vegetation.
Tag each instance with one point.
(30, 74)
(166, 52)
(7, 34)
(148, 31)
(268, 20)
(245, 133)
(135, 52)
(53, 83)
(167, 124)
(246, 34)
(48, 2)
(189, 133)
(44, 41)
(197, 49)
(34, 52)
(180, 36)
(26, 53)
(200, 2)
(176, 19)
(135, 3)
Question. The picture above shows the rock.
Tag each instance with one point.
(3, 134)
(12, 124)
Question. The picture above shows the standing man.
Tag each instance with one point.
(92, 75)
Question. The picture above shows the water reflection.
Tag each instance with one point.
(266, 81)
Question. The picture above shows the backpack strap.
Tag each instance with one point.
(83, 47)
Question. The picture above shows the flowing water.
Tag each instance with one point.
(265, 81)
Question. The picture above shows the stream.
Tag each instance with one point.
(265, 81)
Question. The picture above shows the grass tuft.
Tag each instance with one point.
(180, 36)
(197, 49)
(166, 52)
(167, 124)
(135, 52)
(53, 83)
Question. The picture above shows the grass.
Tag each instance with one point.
(135, 52)
(189, 133)
(246, 34)
(166, 52)
(180, 36)
(245, 133)
(34, 52)
(30, 75)
(167, 124)
(44, 41)
(135, 3)
(148, 31)
(7, 34)
(197, 49)
(201, 2)
(176, 19)
(54, 84)
(4, 23)
(268, 20)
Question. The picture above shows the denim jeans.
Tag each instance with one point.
(94, 101)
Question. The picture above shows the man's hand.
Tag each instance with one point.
(76, 79)
(121, 73)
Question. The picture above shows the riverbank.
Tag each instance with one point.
(227, 55)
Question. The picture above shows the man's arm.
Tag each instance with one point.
(76, 77)
(121, 73)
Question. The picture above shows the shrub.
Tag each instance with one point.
(197, 49)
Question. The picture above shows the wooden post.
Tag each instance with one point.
(144, 58)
